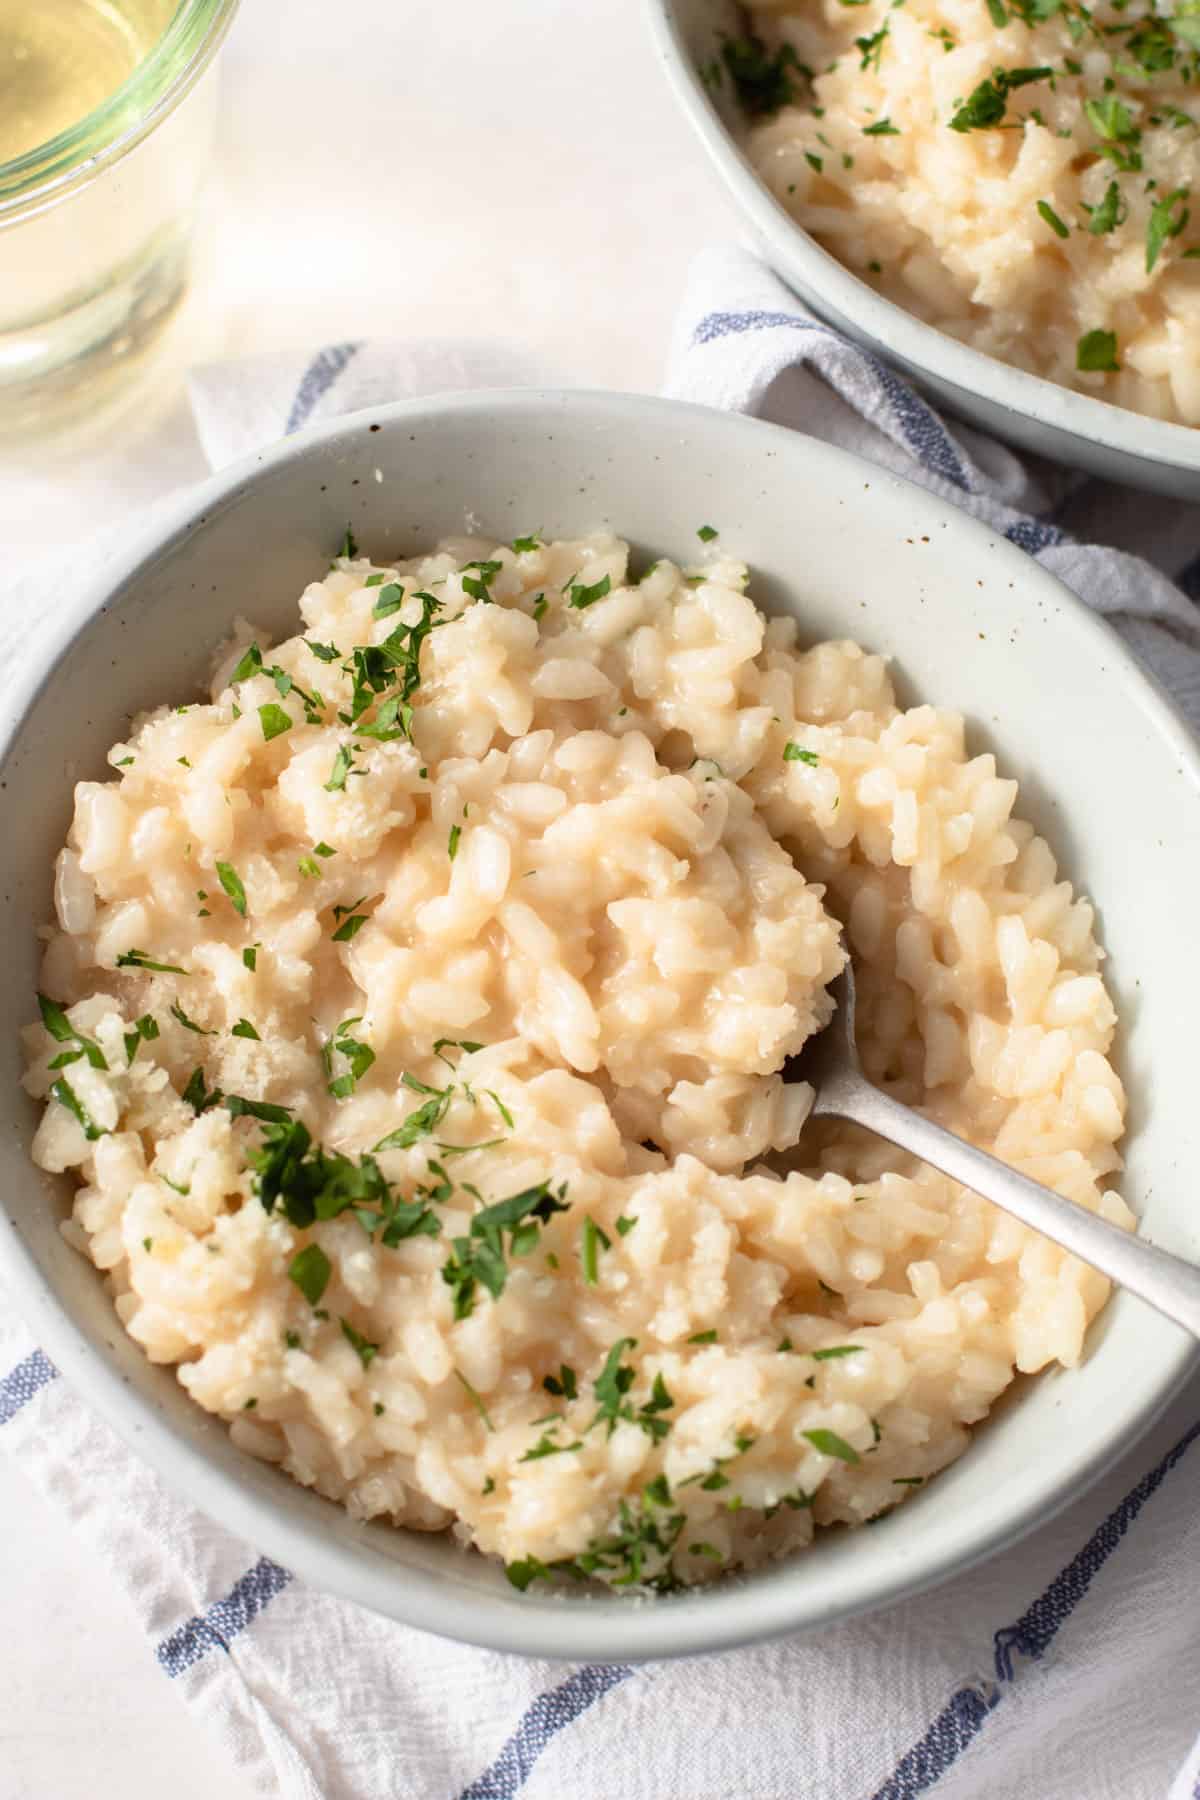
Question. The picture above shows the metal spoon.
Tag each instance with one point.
(830, 1062)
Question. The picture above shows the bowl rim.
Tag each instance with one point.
(733, 1613)
(923, 348)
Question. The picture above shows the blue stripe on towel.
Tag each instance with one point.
(964, 1715)
(549, 1714)
(19, 1386)
(1033, 536)
(320, 375)
(213, 1630)
(923, 431)
(918, 424)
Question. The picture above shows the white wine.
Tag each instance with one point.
(60, 59)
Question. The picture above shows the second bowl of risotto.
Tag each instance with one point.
(495, 789)
(996, 197)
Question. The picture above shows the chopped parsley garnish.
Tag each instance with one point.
(1113, 124)
(1111, 212)
(63, 1032)
(529, 1568)
(244, 1029)
(177, 1012)
(250, 664)
(1111, 119)
(66, 1096)
(421, 1123)
(349, 545)
(391, 599)
(285, 685)
(881, 128)
(350, 926)
(365, 1350)
(308, 1183)
(197, 1095)
(986, 106)
(231, 881)
(452, 843)
(797, 1502)
(265, 1110)
(465, 1044)
(592, 1241)
(830, 1444)
(523, 545)
(814, 162)
(1096, 351)
(539, 607)
(145, 1030)
(480, 1257)
(1164, 223)
(325, 653)
(762, 78)
(564, 1385)
(138, 959)
(580, 595)
(476, 1401)
(275, 721)
(309, 867)
(871, 48)
(836, 1350)
(707, 533)
(703, 1337)
(796, 753)
(310, 1270)
(342, 764)
(624, 1226)
(358, 1057)
(611, 1389)
(1047, 213)
(250, 957)
(500, 1107)
(547, 1446)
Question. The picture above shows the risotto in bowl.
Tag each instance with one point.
(433, 922)
(995, 196)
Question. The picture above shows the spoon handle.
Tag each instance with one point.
(1167, 1282)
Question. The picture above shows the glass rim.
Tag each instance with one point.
(39, 177)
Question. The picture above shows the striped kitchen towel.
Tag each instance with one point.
(1067, 1668)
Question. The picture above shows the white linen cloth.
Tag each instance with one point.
(1066, 1669)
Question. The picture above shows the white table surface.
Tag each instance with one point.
(509, 170)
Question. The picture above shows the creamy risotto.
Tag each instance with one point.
(413, 1027)
(1015, 172)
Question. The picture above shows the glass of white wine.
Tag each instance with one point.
(107, 109)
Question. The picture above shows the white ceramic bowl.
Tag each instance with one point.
(1106, 771)
(1029, 412)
